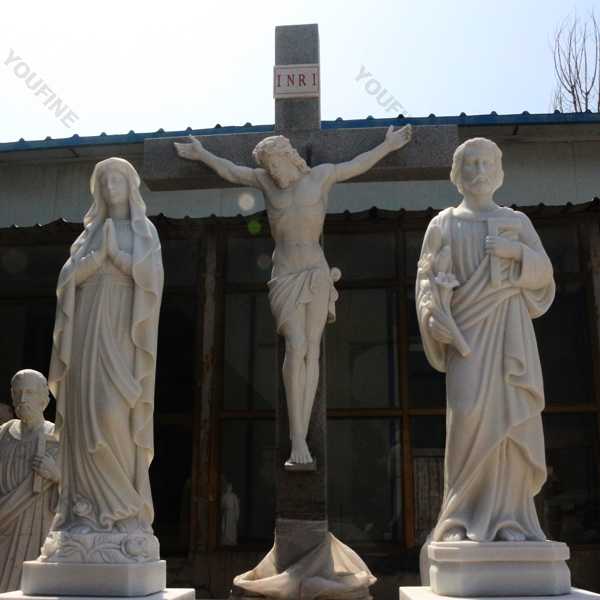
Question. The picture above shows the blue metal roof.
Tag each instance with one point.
(462, 120)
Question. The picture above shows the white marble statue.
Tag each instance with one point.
(482, 277)
(102, 374)
(301, 289)
(230, 516)
(28, 477)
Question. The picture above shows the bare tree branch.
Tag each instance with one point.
(576, 54)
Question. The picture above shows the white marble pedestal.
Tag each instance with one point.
(509, 569)
(166, 594)
(76, 579)
(425, 593)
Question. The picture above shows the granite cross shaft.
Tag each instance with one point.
(302, 495)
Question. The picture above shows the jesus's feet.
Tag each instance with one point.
(510, 534)
(455, 534)
(300, 452)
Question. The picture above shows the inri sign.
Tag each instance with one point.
(296, 81)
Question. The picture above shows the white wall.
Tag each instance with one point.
(548, 171)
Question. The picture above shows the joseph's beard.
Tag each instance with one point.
(29, 416)
(481, 185)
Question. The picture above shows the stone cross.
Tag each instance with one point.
(302, 495)
(428, 156)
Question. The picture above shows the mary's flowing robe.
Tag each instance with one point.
(25, 516)
(494, 461)
(102, 374)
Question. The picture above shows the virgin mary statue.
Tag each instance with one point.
(102, 375)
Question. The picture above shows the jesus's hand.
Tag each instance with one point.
(399, 138)
(191, 151)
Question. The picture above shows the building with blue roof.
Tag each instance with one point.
(218, 375)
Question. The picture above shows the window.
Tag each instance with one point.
(30, 262)
(568, 505)
(29, 271)
(386, 404)
(251, 384)
(362, 369)
(215, 410)
(428, 438)
(171, 472)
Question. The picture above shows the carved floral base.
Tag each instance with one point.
(100, 548)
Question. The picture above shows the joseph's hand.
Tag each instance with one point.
(46, 467)
(399, 138)
(503, 248)
(191, 151)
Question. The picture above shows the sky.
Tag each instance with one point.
(123, 65)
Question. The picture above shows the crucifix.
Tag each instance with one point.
(298, 163)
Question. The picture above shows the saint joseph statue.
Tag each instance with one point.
(482, 277)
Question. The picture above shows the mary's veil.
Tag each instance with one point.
(98, 211)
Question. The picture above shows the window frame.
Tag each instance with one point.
(400, 223)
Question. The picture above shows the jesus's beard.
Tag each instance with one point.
(282, 181)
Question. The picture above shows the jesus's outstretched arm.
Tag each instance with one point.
(229, 171)
(394, 140)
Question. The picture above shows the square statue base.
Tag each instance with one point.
(510, 569)
(301, 467)
(166, 594)
(76, 579)
(425, 593)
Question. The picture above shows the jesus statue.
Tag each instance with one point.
(301, 289)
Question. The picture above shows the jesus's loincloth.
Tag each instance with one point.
(287, 292)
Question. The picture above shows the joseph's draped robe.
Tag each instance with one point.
(494, 461)
(25, 516)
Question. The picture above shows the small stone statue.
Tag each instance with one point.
(301, 290)
(28, 477)
(230, 515)
(482, 277)
(102, 374)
